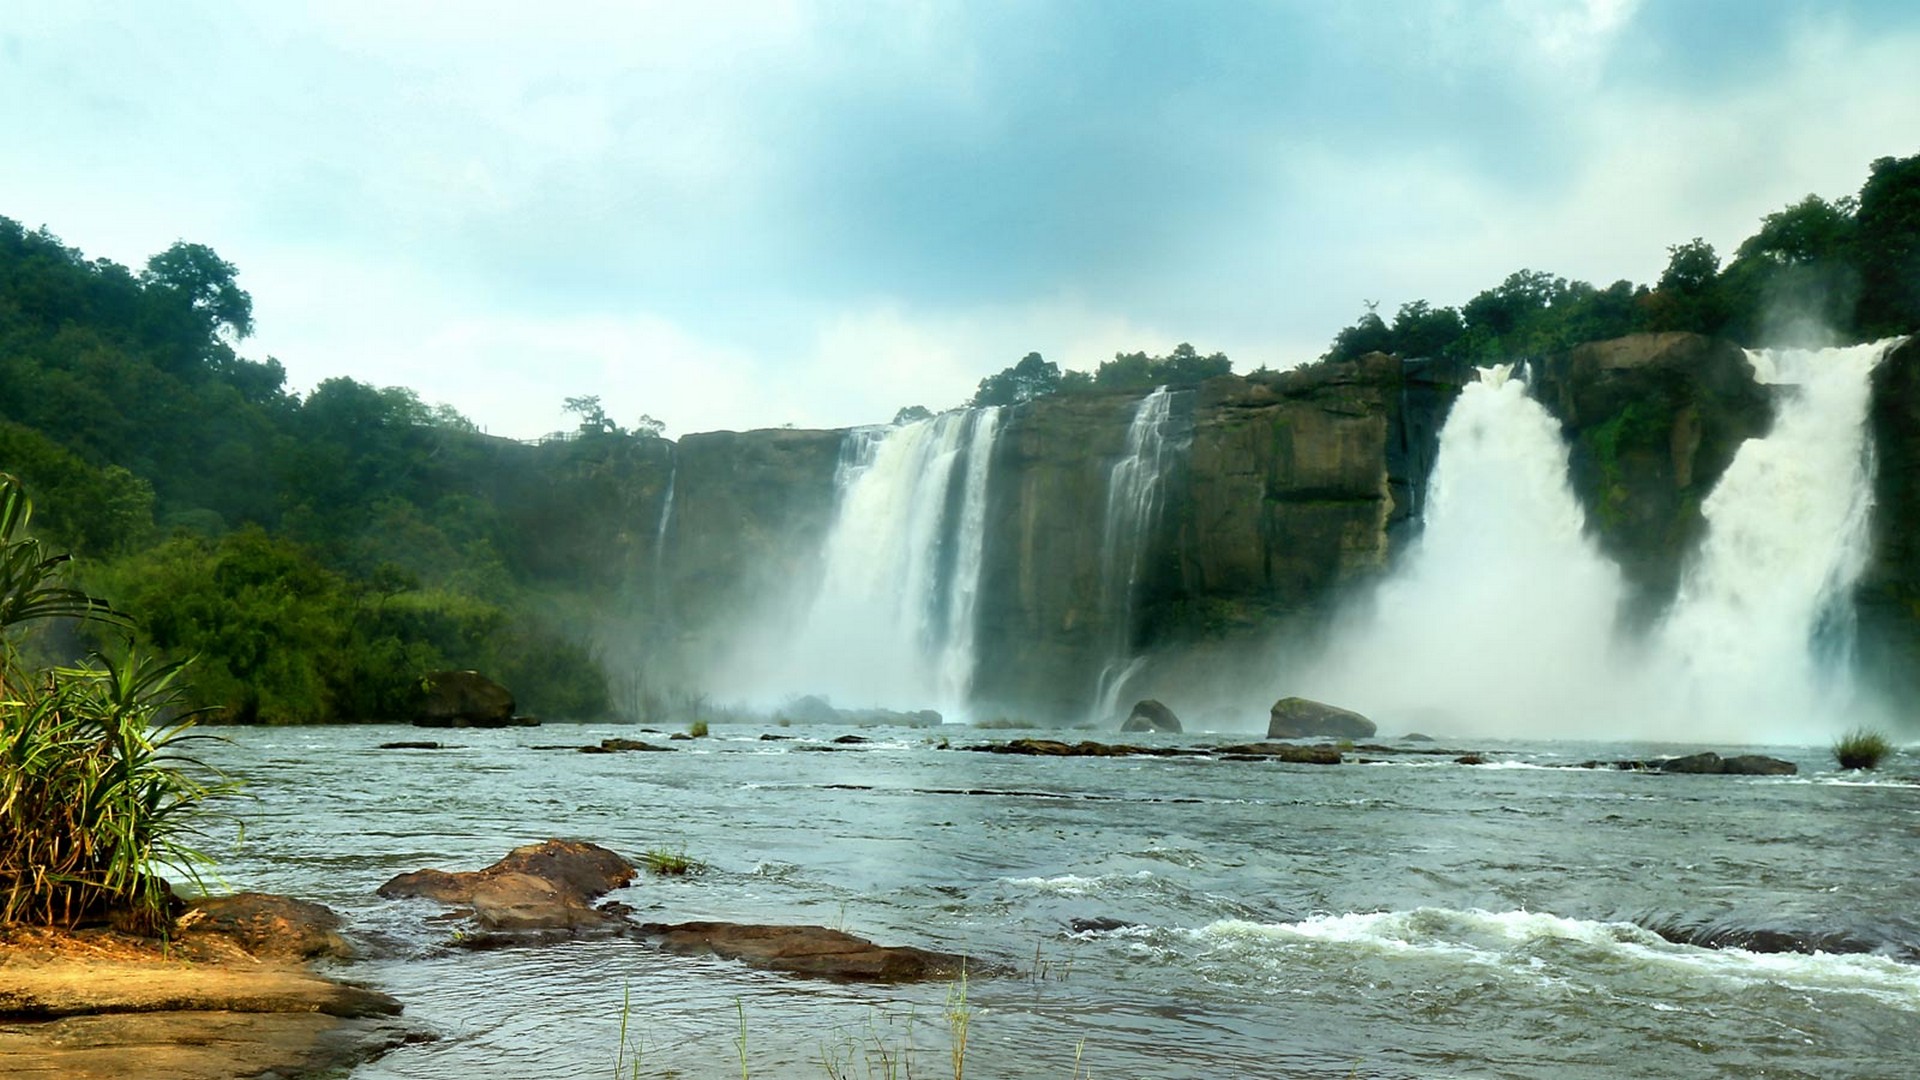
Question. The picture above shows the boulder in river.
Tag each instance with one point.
(464, 699)
(1150, 715)
(1712, 764)
(266, 926)
(1301, 718)
(545, 886)
(805, 950)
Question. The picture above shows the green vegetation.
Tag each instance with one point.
(670, 863)
(1861, 748)
(1036, 377)
(96, 790)
(1849, 267)
(697, 729)
(959, 1017)
(318, 555)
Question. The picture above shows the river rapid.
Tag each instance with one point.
(1131, 917)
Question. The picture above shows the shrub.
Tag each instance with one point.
(1861, 748)
(94, 788)
(697, 729)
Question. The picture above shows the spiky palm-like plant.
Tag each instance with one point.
(96, 790)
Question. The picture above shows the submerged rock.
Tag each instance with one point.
(1150, 715)
(545, 886)
(1302, 718)
(805, 950)
(1084, 748)
(1706, 763)
(1284, 752)
(622, 746)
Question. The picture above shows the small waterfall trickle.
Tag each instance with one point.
(660, 530)
(892, 621)
(1760, 637)
(1134, 488)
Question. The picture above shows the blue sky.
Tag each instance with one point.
(739, 215)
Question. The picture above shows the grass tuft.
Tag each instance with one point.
(670, 863)
(1861, 748)
(697, 729)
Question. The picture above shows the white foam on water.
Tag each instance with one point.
(1508, 940)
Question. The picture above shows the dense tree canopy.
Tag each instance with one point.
(1035, 377)
(1847, 268)
(316, 555)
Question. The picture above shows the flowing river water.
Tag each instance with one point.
(1131, 917)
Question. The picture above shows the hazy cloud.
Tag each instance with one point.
(738, 214)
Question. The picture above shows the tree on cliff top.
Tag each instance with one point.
(1887, 248)
(1034, 376)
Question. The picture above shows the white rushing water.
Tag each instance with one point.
(1133, 505)
(1759, 641)
(891, 624)
(1501, 619)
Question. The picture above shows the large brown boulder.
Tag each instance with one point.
(805, 950)
(547, 886)
(266, 926)
(464, 699)
(1302, 718)
(1150, 715)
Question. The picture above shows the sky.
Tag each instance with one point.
(738, 215)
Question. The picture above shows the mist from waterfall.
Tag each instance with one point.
(891, 622)
(1501, 618)
(1134, 488)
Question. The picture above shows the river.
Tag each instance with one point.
(1412, 918)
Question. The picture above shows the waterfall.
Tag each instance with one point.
(1759, 639)
(955, 663)
(892, 621)
(1133, 506)
(660, 530)
(1500, 618)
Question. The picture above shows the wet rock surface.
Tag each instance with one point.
(805, 950)
(544, 887)
(1707, 763)
(1304, 718)
(266, 926)
(1151, 715)
(228, 997)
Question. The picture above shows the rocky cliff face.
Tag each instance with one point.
(1289, 490)
(1652, 421)
(1889, 589)
(1294, 484)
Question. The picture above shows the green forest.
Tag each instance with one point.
(315, 555)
